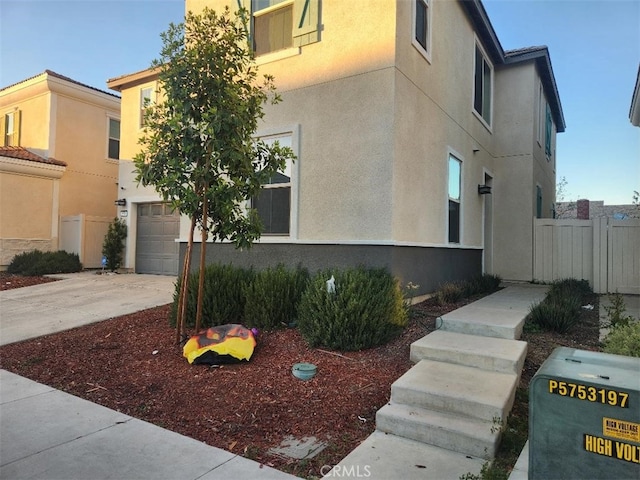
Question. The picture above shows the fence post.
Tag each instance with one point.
(600, 255)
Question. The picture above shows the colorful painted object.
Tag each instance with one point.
(219, 345)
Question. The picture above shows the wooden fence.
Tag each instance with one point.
(604, 251)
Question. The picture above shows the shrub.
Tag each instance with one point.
(449, 292)
(113, 244)
(273, 296)
(489, 283)
(37, 262)
(624, 340)
(616, 311)
(560, 309)
(224, 296)
(570, 287)
(365, 310)
(556, 315)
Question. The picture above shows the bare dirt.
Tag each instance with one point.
(131, 364)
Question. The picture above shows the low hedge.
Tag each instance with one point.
(272, 297)
(36, 262)
(366, 308)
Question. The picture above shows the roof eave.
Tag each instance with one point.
(634, 111)
(543, 60)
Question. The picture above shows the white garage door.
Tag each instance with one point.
(156, 248)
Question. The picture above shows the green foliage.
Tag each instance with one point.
(37, 262)
(451, 292)
(560, 309)
(273, 296)
(224, 296)
(365, 309)
(624, 340)
(198, 141)
(615, 312)
(570, 287)
(113, 244)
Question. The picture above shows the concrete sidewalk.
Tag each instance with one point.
(48, 434)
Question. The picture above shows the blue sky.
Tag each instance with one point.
(594, 47)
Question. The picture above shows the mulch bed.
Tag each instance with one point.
(131, 364)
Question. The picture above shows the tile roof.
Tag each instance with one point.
(61, 77)
(22, 153)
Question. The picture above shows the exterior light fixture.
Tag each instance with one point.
(121, 202)
(484, 190)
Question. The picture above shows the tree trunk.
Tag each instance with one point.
(203, 252)
(184, 287)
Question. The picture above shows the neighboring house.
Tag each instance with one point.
(422, 146)
(59, 153)
(588, 210)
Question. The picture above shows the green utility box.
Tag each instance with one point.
(584, 417)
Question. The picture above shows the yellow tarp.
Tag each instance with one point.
(221, 344)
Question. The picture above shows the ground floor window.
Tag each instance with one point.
(273, 203)
(455, 177)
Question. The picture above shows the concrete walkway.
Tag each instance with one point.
(440, 420)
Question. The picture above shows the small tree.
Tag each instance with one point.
(198, 147)
(113, 244)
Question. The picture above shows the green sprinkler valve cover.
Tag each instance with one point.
(584, 417)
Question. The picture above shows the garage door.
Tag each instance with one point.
(156, 246)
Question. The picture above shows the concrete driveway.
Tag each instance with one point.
(78, 299)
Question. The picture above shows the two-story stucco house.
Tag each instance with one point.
(59, 150)
(422, 146)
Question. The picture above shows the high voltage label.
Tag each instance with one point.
(611, 448)
(621, 429)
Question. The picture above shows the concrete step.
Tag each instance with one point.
(498, 315)
(450, 431)
(495, 354)
(456, 389)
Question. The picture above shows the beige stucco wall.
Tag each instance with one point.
(520, 165)
(376, 123)
(68, 122)
(434, 118)
(89, 185)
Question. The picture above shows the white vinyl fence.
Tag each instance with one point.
(604, 251)
(84, 235)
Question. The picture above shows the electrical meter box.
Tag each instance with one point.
(584, 416)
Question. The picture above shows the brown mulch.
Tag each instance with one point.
(131, 364)
(9, 281)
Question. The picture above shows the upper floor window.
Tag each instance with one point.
(273, 26)
(455, 182)
(541, 115)
(483, 81)
(146, 98)
(273, 203)
(422, 26)
(114, 139)
(282, 24)
(11, 129)
(548, 131)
